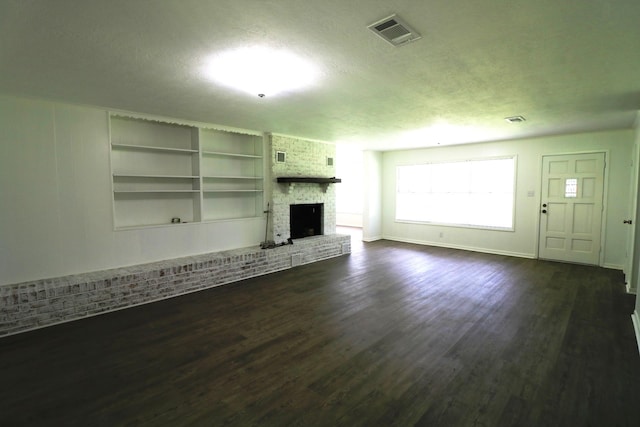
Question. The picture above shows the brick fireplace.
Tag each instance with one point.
(303, 159)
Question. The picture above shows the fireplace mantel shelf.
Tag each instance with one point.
(292, 180)
(313, 180)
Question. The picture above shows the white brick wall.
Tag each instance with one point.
(31, 305)
(305, 159)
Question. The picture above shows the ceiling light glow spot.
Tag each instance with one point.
(261, 71)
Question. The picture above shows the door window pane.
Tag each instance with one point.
(571, 187)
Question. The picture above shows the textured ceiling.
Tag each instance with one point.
(567, 66)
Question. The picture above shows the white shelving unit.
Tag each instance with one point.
(162, 171)
(232, 175)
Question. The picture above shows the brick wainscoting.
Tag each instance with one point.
(31, 305)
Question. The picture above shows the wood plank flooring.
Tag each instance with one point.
(392, 335)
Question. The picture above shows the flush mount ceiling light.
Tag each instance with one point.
(261, 71)
(515, 119)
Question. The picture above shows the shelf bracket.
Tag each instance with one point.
(287, 187)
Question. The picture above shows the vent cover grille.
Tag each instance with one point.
(394, 30)
(515, 119)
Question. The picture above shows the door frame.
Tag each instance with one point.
(631, 268)
(605, 195)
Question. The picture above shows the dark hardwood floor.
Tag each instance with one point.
(391, 335)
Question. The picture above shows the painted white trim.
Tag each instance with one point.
(284, 135)
(631, 266)
(630, 290)
(371, 239)
(605, 207)
(111, 186)
(461, 247)
(181, 122)
(536, 231)
(635, 318)
(613, 266)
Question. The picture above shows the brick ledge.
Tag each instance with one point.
(36, 304)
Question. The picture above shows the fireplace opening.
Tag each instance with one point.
(306, 220)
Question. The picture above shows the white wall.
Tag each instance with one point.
(55, 200)
(350, 192)
(522, 241)
(372, 210)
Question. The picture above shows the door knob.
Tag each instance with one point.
(544, 211)
(544, 205)
(627, 221)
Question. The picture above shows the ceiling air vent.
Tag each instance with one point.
(394, 30)
(515, 119)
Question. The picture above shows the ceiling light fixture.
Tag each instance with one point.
(261, 71)
(515, 119)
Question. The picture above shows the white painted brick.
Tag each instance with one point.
(304, 158)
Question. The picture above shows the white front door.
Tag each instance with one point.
(571, 211)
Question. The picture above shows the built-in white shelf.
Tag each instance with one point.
(232, 191)
(233, 177)
(134, 175)
(162, 171)
(138, 227)
(156, 191)
(218, 153)
(151, 148)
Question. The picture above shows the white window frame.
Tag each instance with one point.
(409, 190)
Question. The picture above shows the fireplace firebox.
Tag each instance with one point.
(306, 220)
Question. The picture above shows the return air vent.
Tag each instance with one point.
(394, 30)
(515, 119)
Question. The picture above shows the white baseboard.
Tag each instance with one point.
(630, 290)
(613, 266)
(635, 318)
(371, 239)
(461, 247)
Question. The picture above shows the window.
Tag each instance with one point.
(475, 193)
